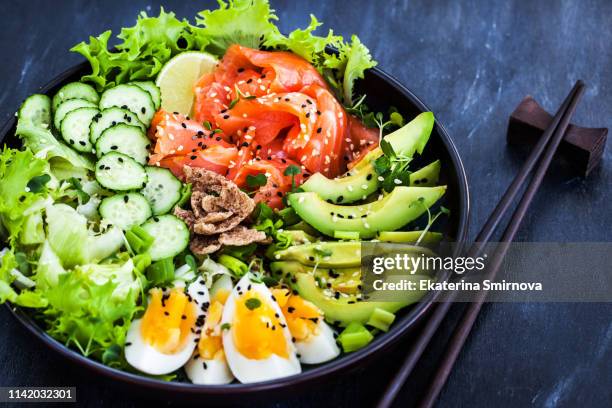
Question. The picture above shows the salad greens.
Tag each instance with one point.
(143, 49)
(89, 232)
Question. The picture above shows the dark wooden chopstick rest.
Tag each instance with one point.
(582, 147)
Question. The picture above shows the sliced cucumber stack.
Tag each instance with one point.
(171, 236)
(75, 90)
(163, 190)
(111, 117)
(152, 89)
(36, 110)
(130, 97)
(75, 128)
(117, 171)
(125, 210)
(126, 139)
(67, 107)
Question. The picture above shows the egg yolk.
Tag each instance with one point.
(301, 315)
(256, 327)
(210, 345)
(168, 320)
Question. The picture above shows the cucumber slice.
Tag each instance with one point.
(75, 90)
(116, 171)
(75, 128)
(111, 117)
(67, 107)
(125, 210)
(163, 190)
(126, 139)
(130, 97)
(171, 236)
(152, 89)
(36, 111)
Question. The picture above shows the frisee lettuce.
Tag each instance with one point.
(144, 48)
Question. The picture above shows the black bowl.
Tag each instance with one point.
(382, 91)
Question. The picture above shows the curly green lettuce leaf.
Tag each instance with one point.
(9, 274)
(44, 145)
(91, 307)
(306, 44)
(244, 22)
(17, 170)
(73, 243)
(142, 51)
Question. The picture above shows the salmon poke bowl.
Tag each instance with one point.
(186, 211)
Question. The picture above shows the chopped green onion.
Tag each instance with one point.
(185, 195)
(139, 239)
(381, 319)
(354, 337)
(354, 235)
(141, 262)
(161, 272)
(235, 265)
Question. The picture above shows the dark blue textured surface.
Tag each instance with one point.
(472, 62)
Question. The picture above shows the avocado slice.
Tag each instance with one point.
(340, 310)
(410, 237)
(398, 208)
(345, 280)
(323, 254)
(426, 176)
(362, 180)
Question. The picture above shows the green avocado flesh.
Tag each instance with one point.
(410, 237)
(398, 208)
(345, 280)
(426, 176)
(362, 179)
(342, 312)
(323, 254)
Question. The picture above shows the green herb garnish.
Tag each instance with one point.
(252, 303)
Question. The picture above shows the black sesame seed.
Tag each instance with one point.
(120, 160)
(240, 70)
(194, 157)
(183, 125)
(249, 80)
(311, 258)
(126, 198)
(319, 130)
(113, 147)
(143, 110)
(123, 106)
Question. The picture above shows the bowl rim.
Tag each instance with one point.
(318, 372)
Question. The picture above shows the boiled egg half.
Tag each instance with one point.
(256, 339)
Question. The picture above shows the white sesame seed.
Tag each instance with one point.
(381, 178)
(397, 181)
(301, 200)
(364, 186)
(350, 188)
(180, 148)
(213, 94)
(263, 88)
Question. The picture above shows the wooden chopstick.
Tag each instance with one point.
(553, 134)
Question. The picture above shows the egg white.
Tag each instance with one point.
(146, 358)
(319, 348)
(211, 371)
(248, 370)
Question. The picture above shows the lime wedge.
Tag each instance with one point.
(178, 77)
